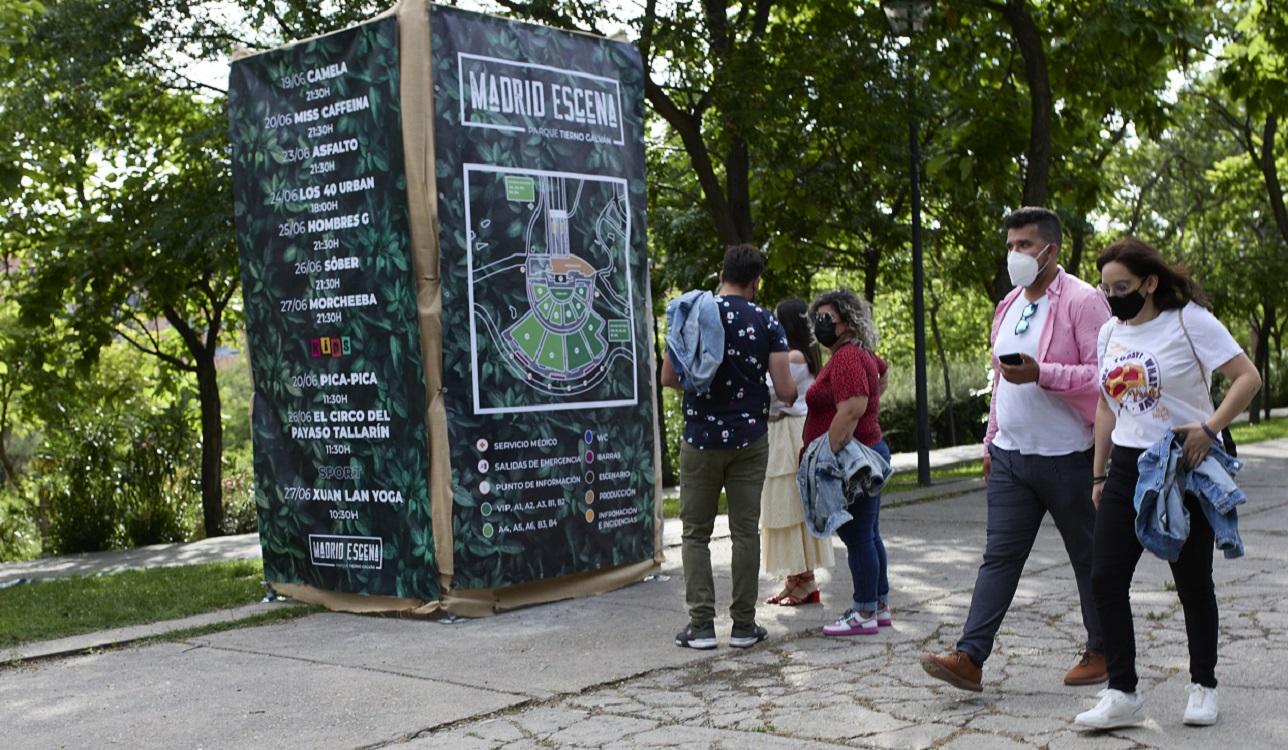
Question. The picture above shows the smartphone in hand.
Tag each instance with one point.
(1011, 359)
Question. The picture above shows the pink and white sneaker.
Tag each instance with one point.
(852, 623)
(884, 618)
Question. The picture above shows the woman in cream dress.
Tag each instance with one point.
(787, 549)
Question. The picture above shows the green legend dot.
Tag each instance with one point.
(488, 531)
(486, 509)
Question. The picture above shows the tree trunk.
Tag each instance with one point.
(871, 269)
(1270, 171)
(212, 446)
(1257, 338)
(1001, 282)
(943, 364)
(212, 433)
(6, 462)
(729, 206)
(689, 128)
(1037, 156)
(1077, 233)
(1267, 325)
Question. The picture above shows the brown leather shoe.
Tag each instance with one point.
(1090, 670)
(955, 668)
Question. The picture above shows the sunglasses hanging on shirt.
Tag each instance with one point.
(1028, 312)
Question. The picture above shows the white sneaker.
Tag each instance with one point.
(1115, 709)
(1201, 709)
(853, 623)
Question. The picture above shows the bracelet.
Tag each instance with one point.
(1100, 480)
(1214, 437)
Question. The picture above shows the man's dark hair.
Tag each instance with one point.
(1048, 223)
(743, 264)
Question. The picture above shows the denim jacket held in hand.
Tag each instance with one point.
(829, 481)
(695, 339)
(1162, 522)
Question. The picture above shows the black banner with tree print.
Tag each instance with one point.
(546, 319)
(341, 464)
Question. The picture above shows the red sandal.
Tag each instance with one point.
(798, 591)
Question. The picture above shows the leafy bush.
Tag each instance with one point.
(970, 385)
(239, 493)
(118, 466)
(19, 534)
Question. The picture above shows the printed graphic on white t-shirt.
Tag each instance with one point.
(1150, 378)
(1134, 380)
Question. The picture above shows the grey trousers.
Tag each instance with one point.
(740, 472)
(1022, 489)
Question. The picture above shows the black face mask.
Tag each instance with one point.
(1127, 306)
(825, 330)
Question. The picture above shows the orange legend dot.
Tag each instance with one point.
(590, 516)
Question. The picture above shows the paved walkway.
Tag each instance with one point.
(603, 672)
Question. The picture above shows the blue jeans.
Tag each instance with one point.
(865, 551)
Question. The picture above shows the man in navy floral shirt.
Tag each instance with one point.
(725, 447)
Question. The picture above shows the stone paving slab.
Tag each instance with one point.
(173, 695)
(603, 672)
(870, 691)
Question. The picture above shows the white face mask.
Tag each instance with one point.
(1024, 269)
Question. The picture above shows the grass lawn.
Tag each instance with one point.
(46, 610)
(907, 480)
(1255, 433)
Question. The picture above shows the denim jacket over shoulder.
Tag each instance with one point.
(1162, 522)
(828, 481)
(695, 339)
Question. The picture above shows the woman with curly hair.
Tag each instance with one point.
(843, 403)
(787, 548)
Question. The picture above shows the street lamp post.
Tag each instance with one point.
(907, 17)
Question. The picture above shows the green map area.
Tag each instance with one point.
(550, 290)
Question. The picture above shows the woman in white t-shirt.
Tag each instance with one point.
(1156, 357)
(787, 548)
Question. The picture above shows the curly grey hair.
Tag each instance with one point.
(855, 312)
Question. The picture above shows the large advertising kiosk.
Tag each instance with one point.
(441, 223)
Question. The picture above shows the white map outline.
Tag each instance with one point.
(469, 264)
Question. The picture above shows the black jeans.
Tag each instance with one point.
(1114, 558)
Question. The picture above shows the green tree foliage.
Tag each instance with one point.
(1028, 100)
(116, 465)
(124, 223)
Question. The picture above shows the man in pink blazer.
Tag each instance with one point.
(1037, 451)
